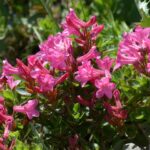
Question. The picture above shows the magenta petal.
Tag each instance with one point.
(8, 69)
(19, 109)
(32, 114)
(12, 84)
(108, 93)
(93, 53)
(29, 109)
(99, 93)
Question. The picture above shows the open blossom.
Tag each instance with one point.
(116, 115)
(36, 60)
(105, 87)
(105, 64)
(21, 69)
(86, 72)
(29, 109)
(46, 82)
(11, 82)
(58, 51)
(8, 69)
(135, 49)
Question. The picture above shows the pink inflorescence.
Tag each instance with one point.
(85, 32)
(135, 49)
(58, 61)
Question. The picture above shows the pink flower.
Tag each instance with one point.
(8, 126)
(12, 84)
(105, 64)
(86, 73)
(46, 82)
(85, 32)
(8, 69)
(105, 87)
(116, 115)
(93, 53)
(24, 71)
(73, 24)
(29, 109)
(135, 49)
(5, 119)
(36, 59)
(58, 51)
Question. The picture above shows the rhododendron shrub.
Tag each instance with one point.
(67, 93)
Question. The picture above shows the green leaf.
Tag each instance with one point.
(78, 115)
(131, 131)
(75, 84)
(76, 107)
(8, 94)
(118, 145)
(145, 21)
(139, 117)
(21, 146)
(36, 146)
(14, 134)
(23, 92)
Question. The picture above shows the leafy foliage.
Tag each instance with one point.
(24, 25)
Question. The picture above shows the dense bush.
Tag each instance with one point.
(74, 84)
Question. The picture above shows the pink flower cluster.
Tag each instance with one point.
(58, 51)
(8, 120)
(85, 32)
(135, 49)
(56, 61)
(91, 68)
